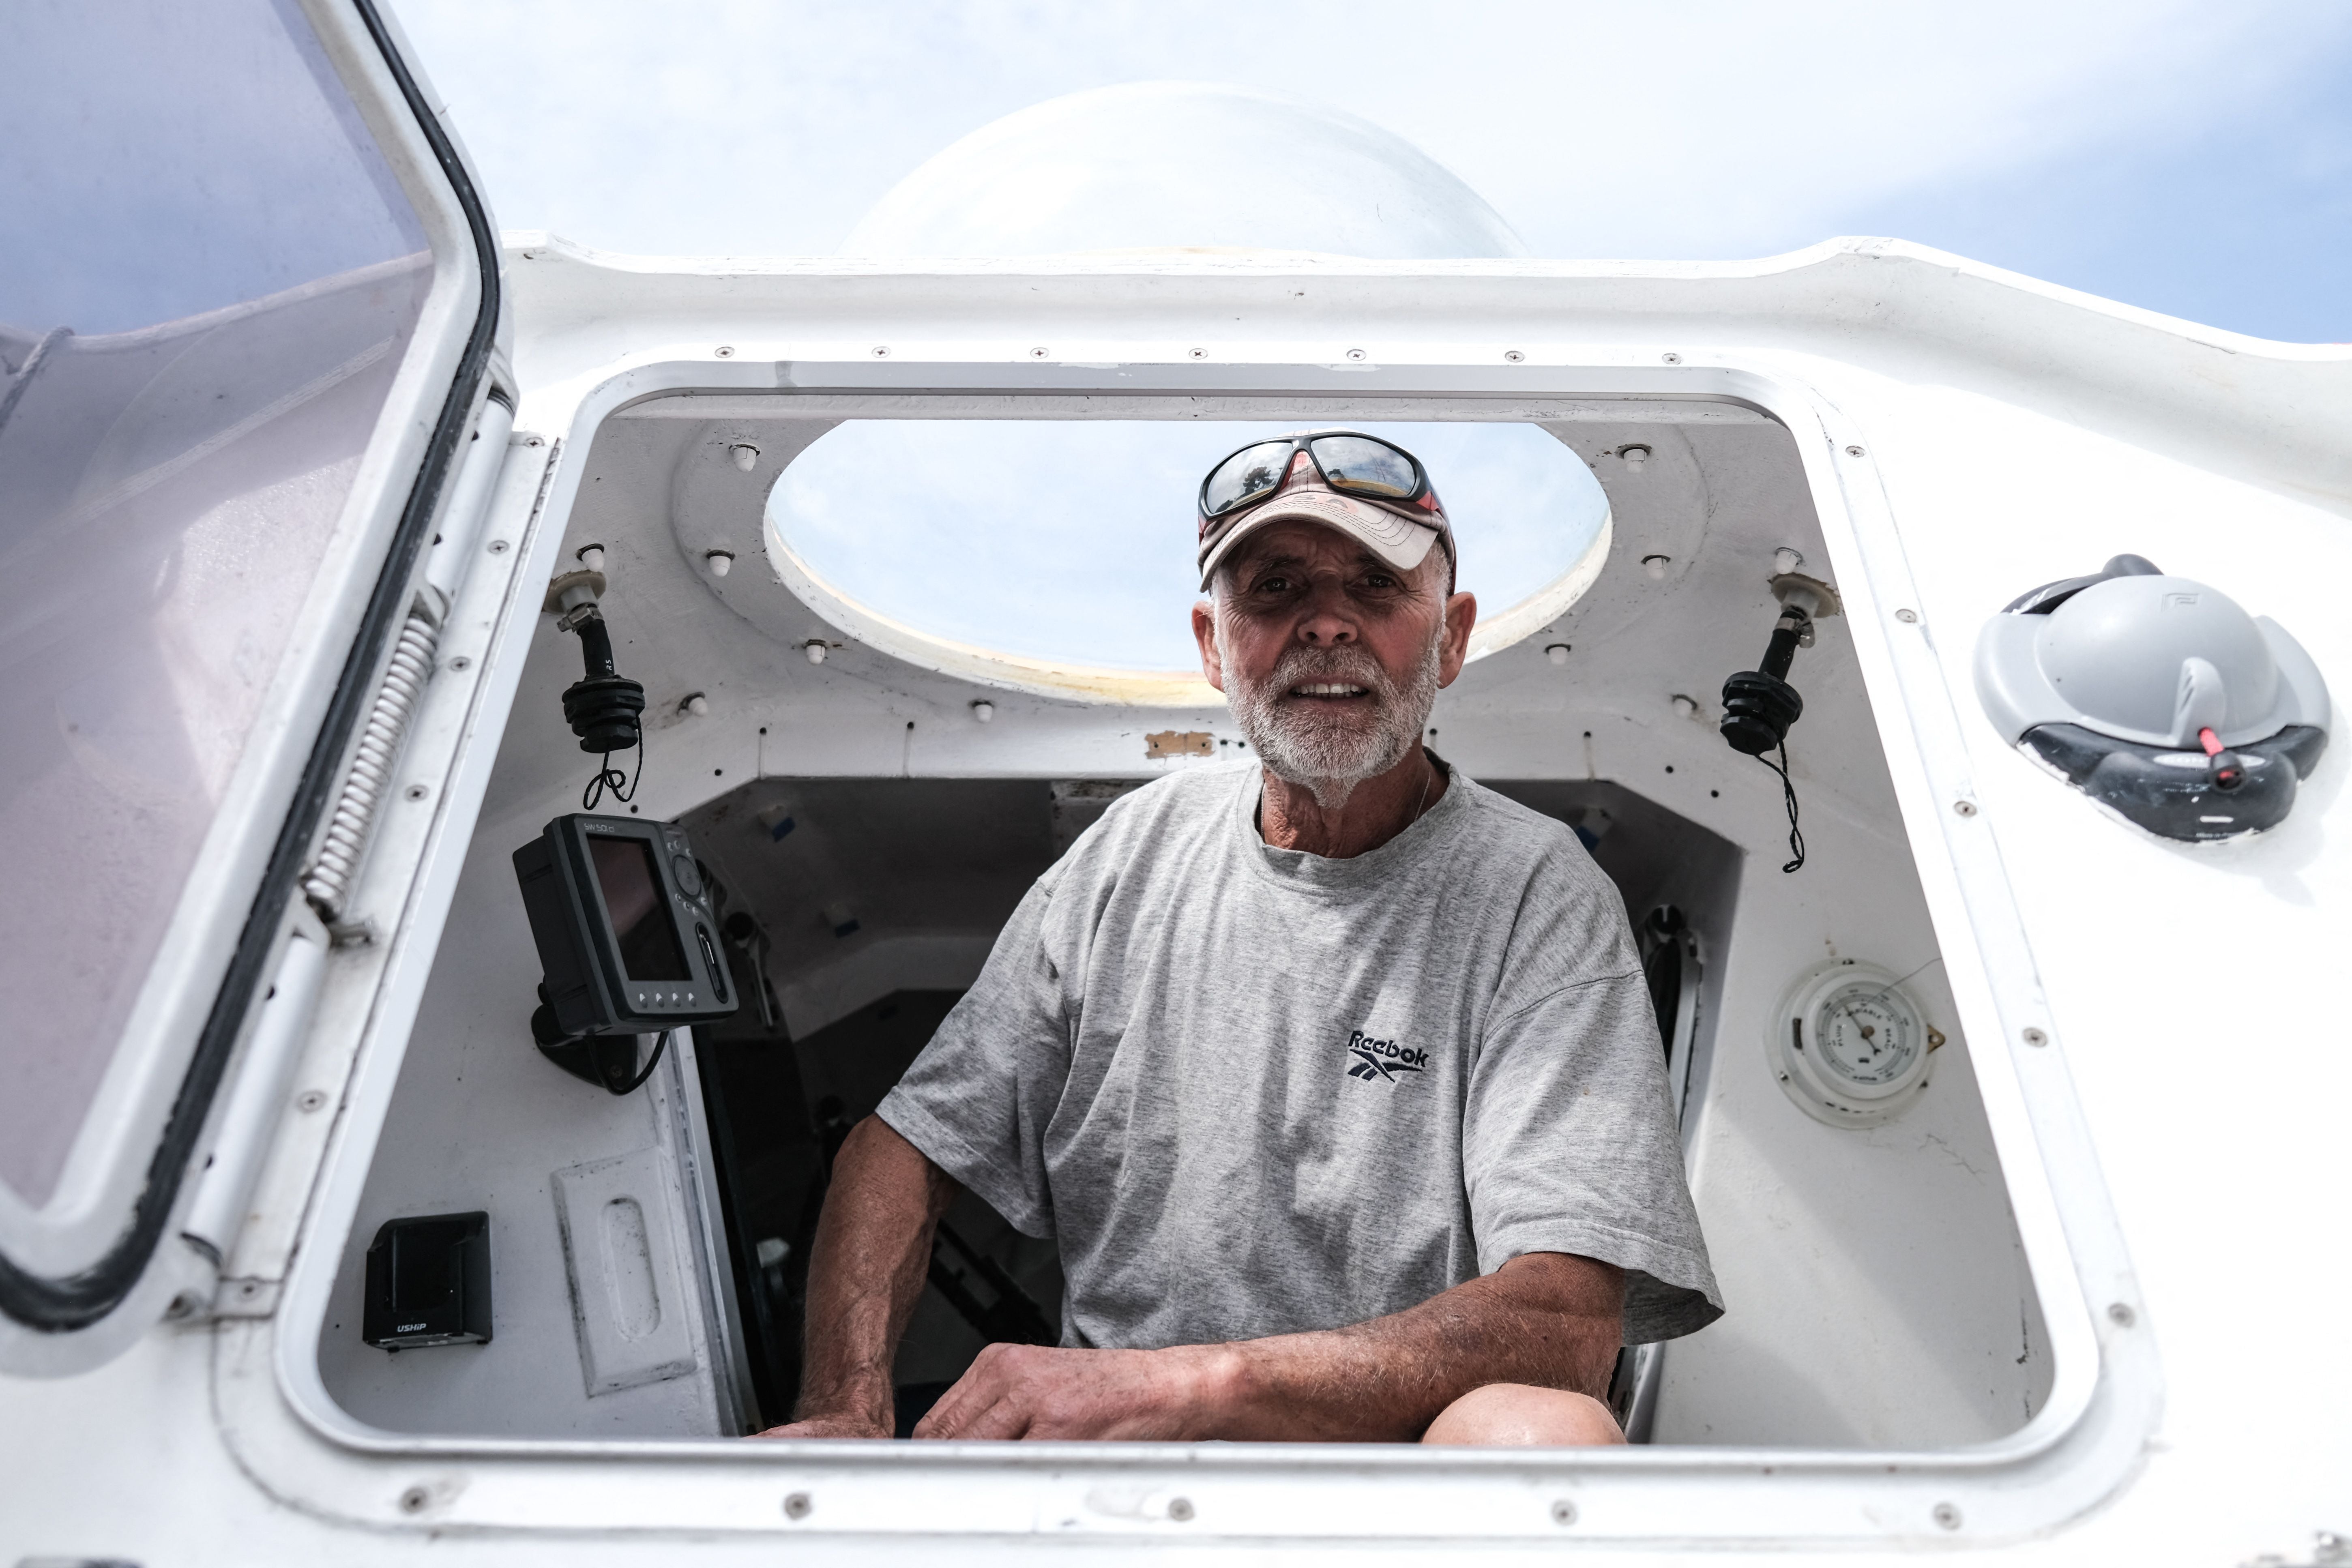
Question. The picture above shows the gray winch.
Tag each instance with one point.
(2159, 698)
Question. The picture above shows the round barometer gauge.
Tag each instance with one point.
(1850, 1045)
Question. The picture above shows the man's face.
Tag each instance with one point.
(1330, 657)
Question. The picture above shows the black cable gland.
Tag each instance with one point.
(603, 711)
(1758, 710)
(602, 706)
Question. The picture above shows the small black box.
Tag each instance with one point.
(428, 1282)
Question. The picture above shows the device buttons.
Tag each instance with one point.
(689, 875)
(661, 1001)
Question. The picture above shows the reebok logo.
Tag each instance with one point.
(1382, 1060)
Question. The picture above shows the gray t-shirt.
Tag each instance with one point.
(1254, 1091)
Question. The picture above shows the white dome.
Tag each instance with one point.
(1173, 164)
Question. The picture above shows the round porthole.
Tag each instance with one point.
(1851, 1044)
(1060, 555)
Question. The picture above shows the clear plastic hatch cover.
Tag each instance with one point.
(207, 281)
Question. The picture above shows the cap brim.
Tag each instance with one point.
(1398, 541)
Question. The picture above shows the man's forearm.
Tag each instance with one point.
(1546, 1318)
(866, 1268)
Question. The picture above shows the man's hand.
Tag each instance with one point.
(1038, 1391)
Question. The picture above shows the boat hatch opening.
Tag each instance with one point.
(868, 799)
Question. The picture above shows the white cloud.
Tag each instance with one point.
(730, 126)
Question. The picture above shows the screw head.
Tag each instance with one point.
(498, 547)
(462, 661)
(309, 1099)
(1037, 353)
(725, 351)
(414, 791)
(1672, 358)
(1908, 618)
(2120, 1314)
(881, 350)
(1197, 353)
(797, 1505)
(1514, 356)
(2034, 1037)
(1948, 1516)
(1180, 1508)
(1853, 451)
(1563, 1512)
(414, 1499)
(1358, 355)
(1964, 808)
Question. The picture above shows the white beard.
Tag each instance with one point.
(1328, 753)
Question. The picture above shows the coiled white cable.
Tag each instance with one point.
(328, 884)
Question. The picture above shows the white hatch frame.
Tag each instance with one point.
(2085, 1443)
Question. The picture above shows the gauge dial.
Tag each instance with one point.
(1850, 1043)
(1867, 1034)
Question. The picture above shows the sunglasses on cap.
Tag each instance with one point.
(1350, 462)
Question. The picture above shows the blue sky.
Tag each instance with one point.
(2190, 158)
(2243, 219)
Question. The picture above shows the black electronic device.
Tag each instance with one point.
(428, 1282)
(625, 931)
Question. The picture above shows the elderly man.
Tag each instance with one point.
(1333, 1073)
